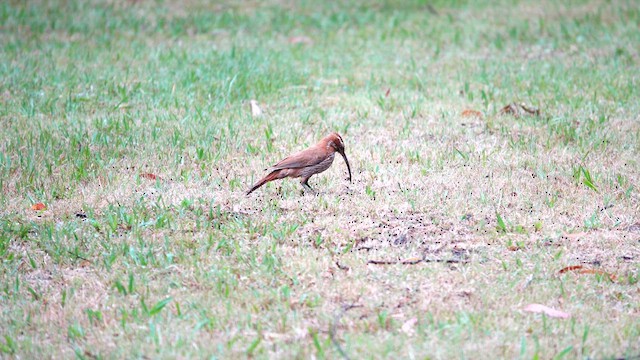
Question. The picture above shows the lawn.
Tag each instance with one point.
(495, 151)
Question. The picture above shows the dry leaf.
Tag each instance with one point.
(518, 110)
(294, 40)
(149, 176)
(531, 111)
(570, 268)
(574, 236)
(471, 113)
(407, 327)
(255, 109)
(38, 206)
(272, 336)
(526, 282)
(612, 277)
(579, 269)
(511, 109)
(541, 309)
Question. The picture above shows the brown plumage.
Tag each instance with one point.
(307, 163)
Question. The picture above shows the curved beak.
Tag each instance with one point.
(344, 156)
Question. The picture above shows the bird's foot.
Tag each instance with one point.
(306, 189)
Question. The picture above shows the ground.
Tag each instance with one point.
(495, 150)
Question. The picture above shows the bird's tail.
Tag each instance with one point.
(272, 176)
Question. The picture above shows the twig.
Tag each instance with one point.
(531, 111)
(381, 262)
(632, 357)
(416, 261)
(78, 256)
(432, 10)
(367, 248)
(448, 261)
(332, 329)
(513, 110)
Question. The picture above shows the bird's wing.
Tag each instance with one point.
(302, 159)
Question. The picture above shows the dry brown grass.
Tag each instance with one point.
(452, 225)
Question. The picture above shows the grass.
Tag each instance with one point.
(130, 121)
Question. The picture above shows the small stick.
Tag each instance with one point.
(78, 256)
(381, 262)
(416, 261)
(531, 111)
(332, 329)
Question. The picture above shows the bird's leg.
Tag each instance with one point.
(305, 185)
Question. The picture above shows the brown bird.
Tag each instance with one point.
(307, 163)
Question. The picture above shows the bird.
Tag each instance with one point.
(306, 163)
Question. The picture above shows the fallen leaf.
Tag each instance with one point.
(471, 113)
(612, 277)
(272, 336)
(401, 240)
(342, 267)
(330, 82)
(570, 268)
(579, 269)
(294, 40)
(255, 109)
(432, 10)
(510, 109)
(386, 94)
(330, 273)
(541, 309)
(634, 228)
(411, 261)
(526, 282)
(574, 236)
(407, 327)
(531, 111)
(149, 176)
(38, 206)
(518, 110)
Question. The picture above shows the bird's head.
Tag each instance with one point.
(334, 141)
